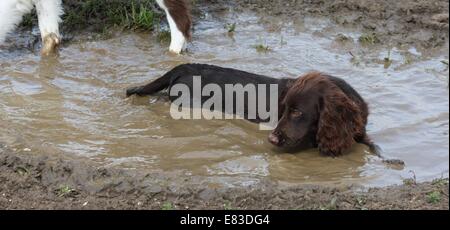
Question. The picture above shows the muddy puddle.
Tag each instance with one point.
(75, 104)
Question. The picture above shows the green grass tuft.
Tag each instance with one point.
(167, 206)
(100, 14)
(434, 197)
(65, 191)
(261, 48)
(440, 182)
(343, 38)
(140, 18)
(231, 28)
(369, 39)
(387, 60)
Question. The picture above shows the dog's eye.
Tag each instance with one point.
(296, 113)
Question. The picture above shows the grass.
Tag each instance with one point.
(411, 181)
(261, 48)
(64, 191)
(231, 28)
(433, 197)
(343, 39)
(361, 202)
(167, 206)
(387, 60)
(227, 206)
(98, 15)
(140, 17)
(22, 171)
(408, 61)
(440, 182)
(369, 39)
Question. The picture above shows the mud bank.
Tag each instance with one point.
(43, 182)
(423, 23)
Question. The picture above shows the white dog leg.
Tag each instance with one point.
(11, 13)
(179, 19)
(49, 15)
(178, 41)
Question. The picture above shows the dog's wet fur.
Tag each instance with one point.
(315, 110)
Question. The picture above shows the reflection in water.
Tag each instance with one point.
(75, 105)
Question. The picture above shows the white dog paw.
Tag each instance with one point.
(50, 44)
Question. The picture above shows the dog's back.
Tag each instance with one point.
(230, 85)
(210, 74)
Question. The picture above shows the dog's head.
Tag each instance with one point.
(317, 113)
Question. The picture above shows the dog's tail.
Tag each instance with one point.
(375, 149)
(159, 84)
(152, 88)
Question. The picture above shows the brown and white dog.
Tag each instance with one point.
(179, 17)
(50, 11)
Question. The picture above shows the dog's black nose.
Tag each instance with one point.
(274, 139)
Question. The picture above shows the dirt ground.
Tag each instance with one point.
(420, 22)
(30, 181)
(43, 182)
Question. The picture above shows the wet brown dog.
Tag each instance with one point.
(321, 111)
(315, 110)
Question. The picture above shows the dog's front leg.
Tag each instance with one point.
(49, 15)
(178, 41)
(179, 19)
(11, 12)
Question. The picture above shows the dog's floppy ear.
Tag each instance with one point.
(284, 87)
(340, 121)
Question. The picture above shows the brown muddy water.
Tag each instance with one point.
(75, 104)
